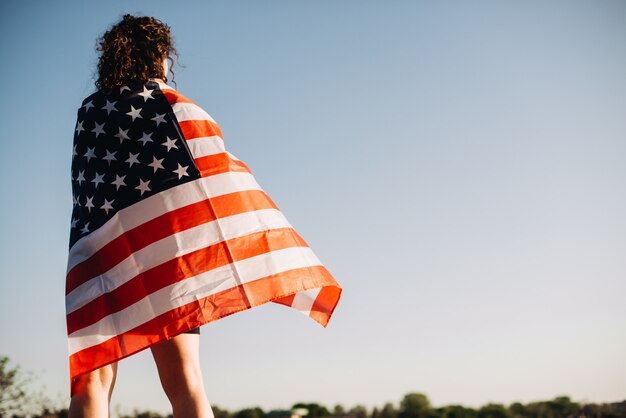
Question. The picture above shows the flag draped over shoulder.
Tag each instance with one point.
(170, 231)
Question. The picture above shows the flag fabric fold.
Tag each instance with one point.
(170, 231)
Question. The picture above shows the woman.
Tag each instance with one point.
(169, 231)
(134, 49)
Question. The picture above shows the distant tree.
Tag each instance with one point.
(279, 413)
(220, 413)
(359, 411)
(493, 410)
(592, 410)
(49, 413)
(457, 411)
(12, 389)
(615, 410)
(375, 413)
(519, 410)
(559, 407)
(388, 411)
(315, 409)
(339, 410)
(148, 414)
(415, 405)
(563, 407)
(142, 414)
(250, 413)
(537, 410)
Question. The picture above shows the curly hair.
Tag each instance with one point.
(133, 50)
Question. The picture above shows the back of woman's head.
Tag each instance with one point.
(133, 50)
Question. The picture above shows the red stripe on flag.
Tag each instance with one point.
(219, 163)
(198, 128)
(173, 96)
(287, 300)
(325, 304)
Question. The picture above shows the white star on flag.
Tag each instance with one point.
(134, 113)
(159, 119)
(170, 143)
(132, 159)
(109, 107)
(110, 156)
(98, 179)
(107, 206)
(146, 137)
(89, 203)
(79, 127)
(156, 164)
(98, 129)
(122, 134)
(91, 153)
(81, 177)
(143, 186)
(147, 94)
(119, 181)
(181, 171)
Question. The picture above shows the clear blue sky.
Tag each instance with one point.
(460, 167)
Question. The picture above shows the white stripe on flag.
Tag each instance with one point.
(232, 156)
(206, 145)
(172, 246)
(164, 86)
(190, 111)
(303, 301)
(192, 289)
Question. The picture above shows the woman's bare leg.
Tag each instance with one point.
(92, 393)
(178, 363)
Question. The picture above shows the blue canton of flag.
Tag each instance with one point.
(124, 153)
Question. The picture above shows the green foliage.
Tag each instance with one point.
(250, 413)
(518, 410)
(415, 405)
(12, 389)
(220, 413)
(388, 411)
(339, 410)
(457, 411)
(48, 413)
(358, 411)
(560, 407)
(315, 409)
(143, 414)
(493, 410)
(563, 407)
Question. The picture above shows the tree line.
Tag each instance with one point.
(17, 402)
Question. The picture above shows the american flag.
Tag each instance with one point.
(170, 231)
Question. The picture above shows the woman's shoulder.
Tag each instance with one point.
(184, 107)
(126, 91)
(172, 94)
(140, 94)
